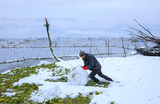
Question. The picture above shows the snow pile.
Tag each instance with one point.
(37, 79)
(78, 76)
(46, 92)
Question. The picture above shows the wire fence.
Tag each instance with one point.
(65, 49)
(23, 53)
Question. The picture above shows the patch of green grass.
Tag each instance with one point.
(92, 83)
(60, 71)
(68, 100)
(96, 93)
(63, 79)
(23, 92)
(112, 102)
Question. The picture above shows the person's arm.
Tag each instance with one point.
(91, 62)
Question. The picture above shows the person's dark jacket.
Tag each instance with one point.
(91, 63)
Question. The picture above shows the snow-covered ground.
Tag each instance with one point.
(136, 81)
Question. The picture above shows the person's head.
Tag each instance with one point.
(82, 54)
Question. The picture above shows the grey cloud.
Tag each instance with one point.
(68, 17)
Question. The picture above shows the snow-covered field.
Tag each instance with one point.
(136, 81)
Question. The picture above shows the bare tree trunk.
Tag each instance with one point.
(50, 43)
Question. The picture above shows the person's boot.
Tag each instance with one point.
(109, 79)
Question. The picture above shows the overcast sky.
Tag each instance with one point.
(77, 18)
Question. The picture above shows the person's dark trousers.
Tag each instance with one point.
(93, 73)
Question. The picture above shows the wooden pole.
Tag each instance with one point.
(108, 47)
(123, 47)
(50, 43)
(90, 45)
(99, 54)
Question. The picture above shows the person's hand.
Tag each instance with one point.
(85, 68)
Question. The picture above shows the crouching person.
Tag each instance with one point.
(91, 63)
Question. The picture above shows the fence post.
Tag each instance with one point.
(123, 48)
(99, 54)
(90, 45)
(108, 47)
(135, 44)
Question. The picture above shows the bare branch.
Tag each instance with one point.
(143, 35)
(144, 28)
(50, 43)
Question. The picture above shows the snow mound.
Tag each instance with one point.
(46, 93)
(78, 76)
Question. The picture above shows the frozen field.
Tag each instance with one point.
(27, 52)
(136, 81)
